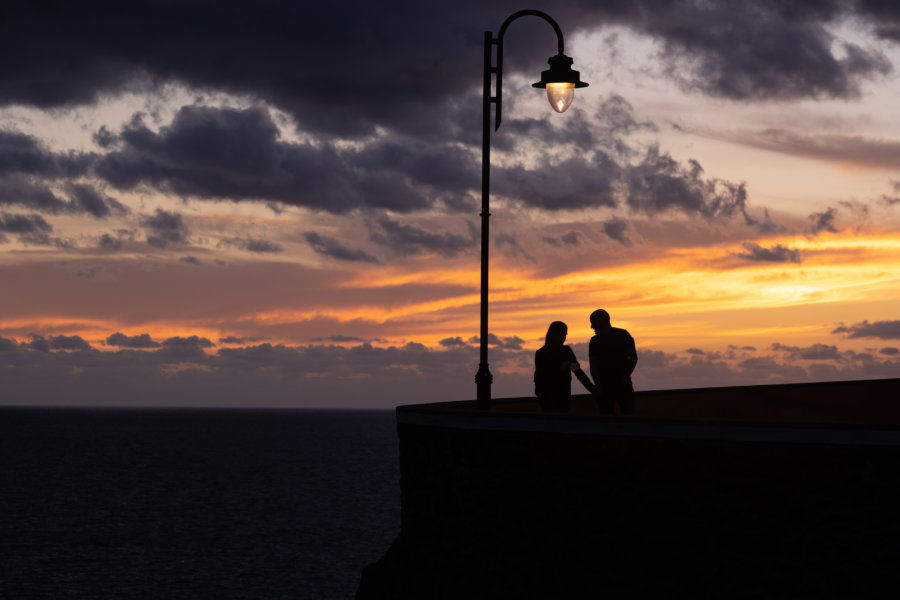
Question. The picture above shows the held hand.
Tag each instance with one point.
(574, 366)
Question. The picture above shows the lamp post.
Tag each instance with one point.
(560, 82)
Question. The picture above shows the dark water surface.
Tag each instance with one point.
(194, 503)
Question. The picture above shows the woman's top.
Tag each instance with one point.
(552, 374)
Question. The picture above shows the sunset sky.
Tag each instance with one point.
(276, 203)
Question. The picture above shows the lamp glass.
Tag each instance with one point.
(560, 95)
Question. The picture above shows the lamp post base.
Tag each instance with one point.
(483, 381)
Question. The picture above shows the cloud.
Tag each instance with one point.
(333, 248)
(615, 228)
(885, 330)
(57, 342)
(237, 154)
(406, 239)
(764, 51)
(510, 246)
(24, 154)
(572, 238)
(573, 184)
(23, 224)
(164, 228)
(453, 342)
(187, 342)
(777, 253)
(86, 198)
(250, 244)
(748, 51)
(29, 229)
(89, 272)
(843, 149)
(659, 184)
(822, 221)
(136, 341)
(509, 343)
(814, 352)
(35, 196)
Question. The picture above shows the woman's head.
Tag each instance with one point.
(556, 333)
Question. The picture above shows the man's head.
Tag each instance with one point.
(600, 320)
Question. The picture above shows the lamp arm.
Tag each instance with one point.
(499, 43)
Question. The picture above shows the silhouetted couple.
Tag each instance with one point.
(612, 358)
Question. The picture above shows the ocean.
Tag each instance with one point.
(135, 503)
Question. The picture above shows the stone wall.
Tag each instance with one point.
(489, 512)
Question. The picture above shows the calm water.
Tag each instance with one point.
(194, 503)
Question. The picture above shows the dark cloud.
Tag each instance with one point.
(453, 342)
(759, 50)
(766, 50)
(164, 228)
(890, 351)
(135, 341)
(89, 272)
(822, 221)
(659, 183)
(510, 246)
(509, 343)
(23, 192)
(616, 119)
(406, 240)
(448, 168)
(57, 342)
(885, 330)
(572, 238)
(24, 154)
(777, 253)
(191, 260)
(107, 242)
(86, 198)
(69, 342)
(23, 224)
(844, 149)
(764, 363)
(814, 352)
(333, 248)
(576, 183)
(187, 342)
(250, 245)
(226, 153)
(39, 343)
(29, 229)
(615, 228)
(885, 15)
(231, 340)
(183, 374)
(338, 339)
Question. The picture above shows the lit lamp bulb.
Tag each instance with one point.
(560, 95)
(560, 81)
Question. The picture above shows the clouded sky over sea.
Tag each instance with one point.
(276, 203)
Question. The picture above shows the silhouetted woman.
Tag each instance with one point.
(554, 364)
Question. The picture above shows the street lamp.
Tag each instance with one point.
(560, 82)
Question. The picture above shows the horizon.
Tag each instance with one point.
(252, 215)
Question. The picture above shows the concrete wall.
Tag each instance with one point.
(531, 506)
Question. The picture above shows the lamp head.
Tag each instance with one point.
(560, 81)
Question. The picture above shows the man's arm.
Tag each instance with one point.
(630, 355)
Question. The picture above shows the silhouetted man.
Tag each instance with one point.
(613, 358)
